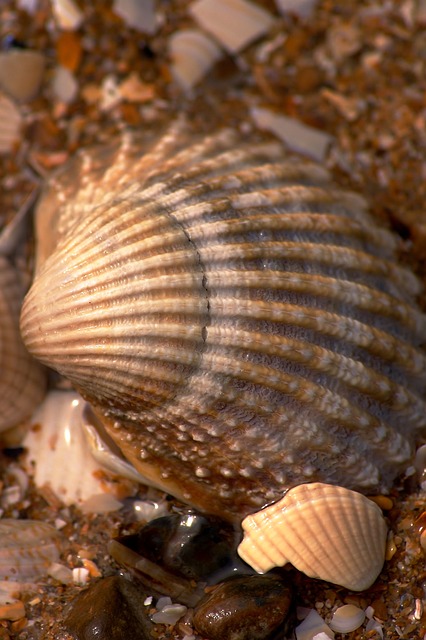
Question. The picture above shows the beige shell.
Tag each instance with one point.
(10, 124)
(327, 532)
(28, 547)
(239, 324)
(22, 380)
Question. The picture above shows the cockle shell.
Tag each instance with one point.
(27, 549)
(239, 324)
(22, 381)
(326, 531)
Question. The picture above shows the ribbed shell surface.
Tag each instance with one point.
(22, 379)
(240, 323)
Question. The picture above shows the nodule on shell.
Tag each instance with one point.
(239, 324)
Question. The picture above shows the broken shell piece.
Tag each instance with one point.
(21, 73)
(139, 14)
(301, 8)
(295, 134)
(10, 124)
(58, 452)
(193, 54)
(347, 618)
(325, 531)
(64, 85)
(67, 14)
(420, 465)
(234, 23)
(313, 626)
(28, 548)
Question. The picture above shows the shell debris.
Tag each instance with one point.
(10, 124)
(347, 618)
(193, 54)
(234, 23)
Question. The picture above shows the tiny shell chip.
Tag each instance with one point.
(21, 73)
(28, 548)
(234, 23)
(67, 14)
(313, 626)
(296, 135)
(302, 8)
(64, 85)
(325, 531)
(10, 124)
(139, 14)
(347, 618)
(193, 54)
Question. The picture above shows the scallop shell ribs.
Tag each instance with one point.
(327, 532)
(239, 323)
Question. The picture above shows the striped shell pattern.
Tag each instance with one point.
(239, 323)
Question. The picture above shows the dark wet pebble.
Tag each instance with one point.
(246, 608)
(189, 544)
(111, 609)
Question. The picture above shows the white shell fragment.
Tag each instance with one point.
(234, 23)
(28, 548)
(296, 135)
(64, 85)
(168, 612)
(420, 466)
(193, 54)
(21, 73)
(313, 626)
(301, 8)
(347, 618)
(139, 14)
(67, 14)
(10, 124)
(326, 531)
(58, 452)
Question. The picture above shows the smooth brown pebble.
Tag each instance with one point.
(111, 609)
(247, 608)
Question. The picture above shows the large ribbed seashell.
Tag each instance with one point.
(240, 325)
(327, 532)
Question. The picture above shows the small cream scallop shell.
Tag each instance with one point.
(326, 531)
